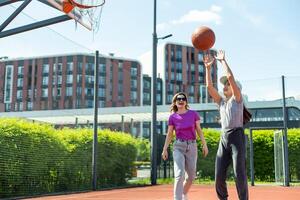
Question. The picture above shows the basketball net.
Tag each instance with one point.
(91, 9)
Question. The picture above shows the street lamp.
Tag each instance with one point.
(153, 101)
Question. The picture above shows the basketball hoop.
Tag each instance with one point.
(91, 9)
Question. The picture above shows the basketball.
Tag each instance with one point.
(203, 38)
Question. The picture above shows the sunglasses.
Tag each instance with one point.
(181, 99)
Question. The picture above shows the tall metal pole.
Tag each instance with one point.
(285, 139)
(95, 139)
(153, 104)
(251, 158)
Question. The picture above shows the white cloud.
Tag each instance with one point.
(203, 16)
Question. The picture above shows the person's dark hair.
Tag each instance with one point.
(173, 105)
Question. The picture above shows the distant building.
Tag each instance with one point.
(66, 82)
(182, 70)
(147, 90)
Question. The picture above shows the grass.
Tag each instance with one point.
(147, 181)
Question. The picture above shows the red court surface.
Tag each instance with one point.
(197, 192)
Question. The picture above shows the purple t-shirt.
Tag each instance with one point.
(184, 124)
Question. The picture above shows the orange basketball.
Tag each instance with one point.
(203, 38)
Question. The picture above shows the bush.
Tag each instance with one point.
(263, 143)
(36, 158)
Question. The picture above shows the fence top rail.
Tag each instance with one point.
(265, 128)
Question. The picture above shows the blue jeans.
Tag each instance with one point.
(185, 155)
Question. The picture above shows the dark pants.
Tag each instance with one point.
(232, 148)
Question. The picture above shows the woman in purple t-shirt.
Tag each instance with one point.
(186, 124)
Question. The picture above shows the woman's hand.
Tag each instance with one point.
(164, 154)
(204, 150)
(220, 55)
(208, 60)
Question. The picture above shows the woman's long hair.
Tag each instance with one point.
(173, 105)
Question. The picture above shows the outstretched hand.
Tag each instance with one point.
(208, 60)
(220, 55)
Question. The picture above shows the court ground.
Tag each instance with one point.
(197, 192)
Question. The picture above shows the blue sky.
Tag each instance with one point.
(261, 38)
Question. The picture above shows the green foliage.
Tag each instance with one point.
(263, 143)
(143, 147)
(36, 158)
(206, 166)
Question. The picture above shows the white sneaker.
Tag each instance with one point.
(185, 197)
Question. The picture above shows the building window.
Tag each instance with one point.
(158, 98)
(102, 80)
(146, 97)
(201, 69)
(79, 78)
(45, 69)
(29, 105)
(102, 68)
(45, 80)
(120, 76)
(20, 82)
(58, 92)
(200, 57)
(7, 107)
(191, 89)
(79, 68)
(89, 91)
(89, 68)
(20, 70)
(69, 91)
(179, 66)
(59, 80)
(172, 76)
(133, 83)
(192, 67)
(45, 92)
(120, 66)
(133, 71)
(101, 92)
(179, 76)
(172, 66)
(158, 85)
(133, 95)
(147, 84)
(89, 103)
(201, 79)
(178, 54)
(58, 67)
(19, 94)
(69, 67)
(89, 79)
(170, 87)
(169, 98)
(120, 88)
(8, 83)
(191, 99)
(78, 91)
(70, 79)
(101, 104)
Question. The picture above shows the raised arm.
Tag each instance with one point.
(167, 142)
(235, 89)
(208, 61)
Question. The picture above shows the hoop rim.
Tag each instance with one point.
(83, 6)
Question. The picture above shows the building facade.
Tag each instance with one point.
(66, 82)
(184, 71)
(181, 69)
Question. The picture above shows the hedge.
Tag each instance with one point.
(263, 155)
(36, 158)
